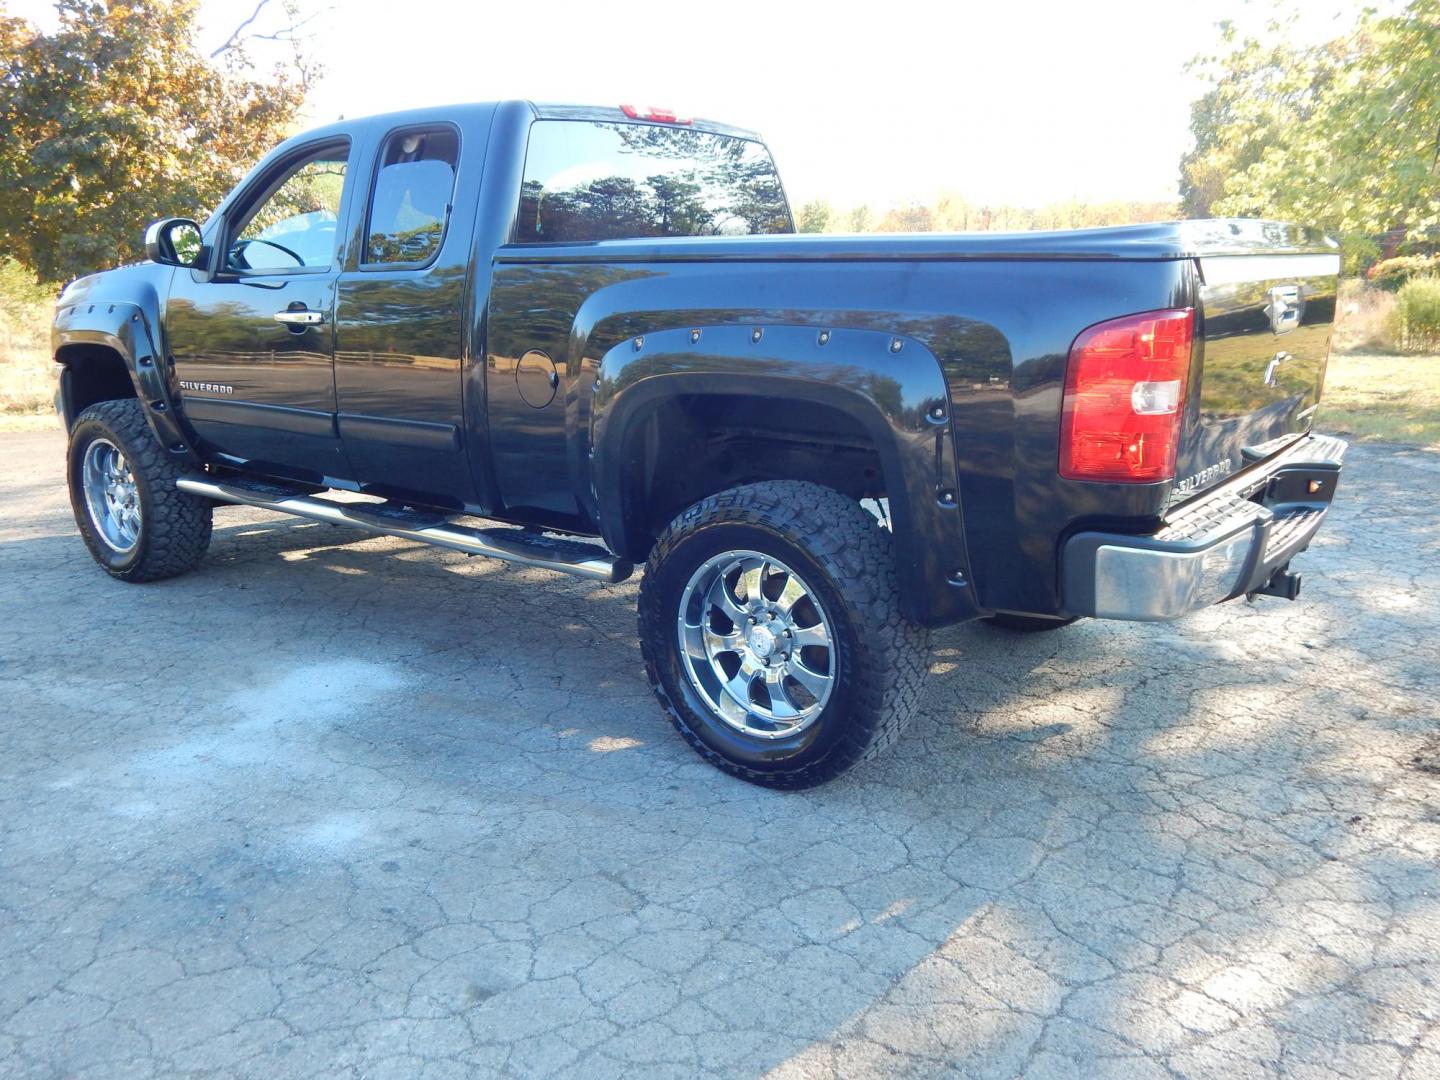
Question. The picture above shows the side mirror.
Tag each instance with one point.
(174, 242)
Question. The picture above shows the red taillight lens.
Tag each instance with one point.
(651, 112)
(1124, 394)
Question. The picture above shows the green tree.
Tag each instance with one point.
(117, 118)
(1344, 135)
(814, 216)
(1259, 91)
(912, 217)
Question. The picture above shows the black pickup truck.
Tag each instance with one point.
(511, 329)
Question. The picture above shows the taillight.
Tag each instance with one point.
(650, 112)
(1124, 394)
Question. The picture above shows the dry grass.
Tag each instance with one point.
(27, 390)
(27, 384)
(1363, 318)
(1372, 392)
(1389, 398)
(22, 422)
(27, 387)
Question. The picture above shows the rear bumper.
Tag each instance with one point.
(1236, 540)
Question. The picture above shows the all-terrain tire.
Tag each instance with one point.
(841, 552)
(174, 527)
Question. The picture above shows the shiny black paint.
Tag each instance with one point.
(411, 388)
(225, 333)
(401, 351)
(1002, 363)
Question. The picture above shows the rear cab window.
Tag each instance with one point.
(595, 180)
(411, 200)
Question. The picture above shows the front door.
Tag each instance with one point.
(253, 339)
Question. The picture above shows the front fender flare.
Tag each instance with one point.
(891, 384)
(125, 328)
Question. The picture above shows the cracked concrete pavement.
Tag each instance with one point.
(335, 806)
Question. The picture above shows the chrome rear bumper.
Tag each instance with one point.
(1235, 540)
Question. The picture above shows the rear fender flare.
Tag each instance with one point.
(891, 384)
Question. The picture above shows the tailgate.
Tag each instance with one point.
(1265, 340)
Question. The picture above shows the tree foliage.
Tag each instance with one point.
(117, 118)
(814, 216)
(951, 212)
(1344, 135)
(1415, 322)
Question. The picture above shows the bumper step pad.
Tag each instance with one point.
(1233, 541)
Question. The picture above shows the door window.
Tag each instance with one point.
(293, 225)
(410, 204)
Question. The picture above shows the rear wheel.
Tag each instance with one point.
(772, 634)
(134, 520)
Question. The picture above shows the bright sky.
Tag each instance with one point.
(1022, 102)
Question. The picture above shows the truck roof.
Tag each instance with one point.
(609, 114)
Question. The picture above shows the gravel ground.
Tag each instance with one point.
(333, 806)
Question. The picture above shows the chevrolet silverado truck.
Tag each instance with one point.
(587, 338)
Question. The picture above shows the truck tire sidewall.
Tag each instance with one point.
(86, 431)
(818, 738)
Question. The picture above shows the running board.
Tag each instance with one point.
(500, 542)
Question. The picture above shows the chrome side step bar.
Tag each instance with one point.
(500, 542)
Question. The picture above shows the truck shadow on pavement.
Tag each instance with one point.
(350, 804)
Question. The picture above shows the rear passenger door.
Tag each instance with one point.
(399, 318)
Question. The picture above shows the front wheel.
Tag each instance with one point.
(137, 524)
(771, 629)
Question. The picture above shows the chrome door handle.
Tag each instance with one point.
(301, 317)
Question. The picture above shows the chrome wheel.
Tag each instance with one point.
(756, 644)
(112, 497)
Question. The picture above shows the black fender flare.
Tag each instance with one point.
(127, 328)
(891, 384)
